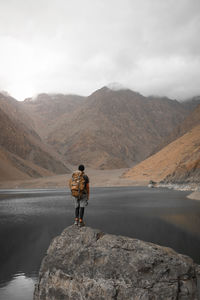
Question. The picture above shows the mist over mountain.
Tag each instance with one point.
(192, 103)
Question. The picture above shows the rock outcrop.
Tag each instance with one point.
(88, 264)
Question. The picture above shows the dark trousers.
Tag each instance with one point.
(79, 212)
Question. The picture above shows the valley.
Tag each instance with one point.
(122, 137)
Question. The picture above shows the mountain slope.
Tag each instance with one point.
(46, 110)
(177, 162)
(21, 140)
(115, 129)
(192, 120)
(13, 167)
(192, 103)
(8, 171)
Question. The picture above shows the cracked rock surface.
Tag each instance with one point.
(84, 263)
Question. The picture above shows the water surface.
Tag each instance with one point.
(29, 219)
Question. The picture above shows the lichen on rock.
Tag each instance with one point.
(88, 264)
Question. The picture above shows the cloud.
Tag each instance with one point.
(77, 46)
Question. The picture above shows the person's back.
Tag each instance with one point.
(79, 185)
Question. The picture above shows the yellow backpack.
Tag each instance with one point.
(77, 184)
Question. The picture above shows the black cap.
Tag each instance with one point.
(81, 168)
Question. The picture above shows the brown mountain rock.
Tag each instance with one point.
(114, 129)
(46, 110)
(191, 104)
(19, 138)
(8, 171)
(12, 167)
(177, 162)
(192, 120)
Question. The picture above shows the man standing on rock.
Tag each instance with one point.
(79, 185)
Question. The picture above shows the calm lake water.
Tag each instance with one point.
(29, 219)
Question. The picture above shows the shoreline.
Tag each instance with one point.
(194, 196)
(98, 178)
(192, 187)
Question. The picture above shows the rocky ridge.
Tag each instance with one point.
(88, 264)
(22, 146)
(178, 162)
(46, 110)
(110, 129)
(192, 120)
(192, 103)
(13, 167)
(115, 129)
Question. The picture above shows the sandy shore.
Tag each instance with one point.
(194, 196)
(98, 178)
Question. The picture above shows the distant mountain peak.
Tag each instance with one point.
(4, 93)
(116, 86)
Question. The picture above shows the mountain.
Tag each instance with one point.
(177, 162)
(13, 167)
(191, 120)
(115, 128)
(192, 103)
(46, 110)
(189, 168)
(112, 128)
(8, 170)
(21, 144)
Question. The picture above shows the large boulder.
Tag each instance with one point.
(88, 264)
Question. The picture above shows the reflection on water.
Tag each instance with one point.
(30, 219)
(19, 288)
(189, 222)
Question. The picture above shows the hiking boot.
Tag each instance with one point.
(76, 222)
(81, 223)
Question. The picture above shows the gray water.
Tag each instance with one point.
(29, 219)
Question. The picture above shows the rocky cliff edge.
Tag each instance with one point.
(88, 264)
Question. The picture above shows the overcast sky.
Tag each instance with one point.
(78, 46)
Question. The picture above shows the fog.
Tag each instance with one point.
(75, 46)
